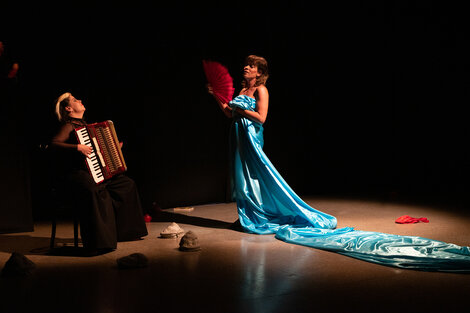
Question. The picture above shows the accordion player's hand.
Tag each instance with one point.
(121, 144)
(85, 150)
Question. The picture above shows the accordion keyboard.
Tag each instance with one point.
(107, 159)
(92, 160)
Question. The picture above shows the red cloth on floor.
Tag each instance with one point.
(406, 219)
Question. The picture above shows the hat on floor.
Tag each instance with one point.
(134, 260)
(189, 242)
(173, 230)
(18, 265)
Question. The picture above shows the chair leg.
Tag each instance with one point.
(54, 224)
(75, 232)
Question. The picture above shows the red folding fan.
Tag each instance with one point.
(219, 78)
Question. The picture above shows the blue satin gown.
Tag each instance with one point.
(267, 205)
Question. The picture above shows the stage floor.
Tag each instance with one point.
(239, 272)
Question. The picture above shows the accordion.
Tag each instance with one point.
(106, 160)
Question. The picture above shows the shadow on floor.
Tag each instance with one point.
(163, 216)
(29, 245)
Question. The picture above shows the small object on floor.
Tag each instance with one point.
(147, 218)
(406, 219)
(189, 242)
(172, 231)
(18, 265)
(134, 260)
(183, 209)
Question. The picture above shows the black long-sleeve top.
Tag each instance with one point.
(65, 144)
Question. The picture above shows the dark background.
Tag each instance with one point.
(365, 97)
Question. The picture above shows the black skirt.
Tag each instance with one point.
(108, 212)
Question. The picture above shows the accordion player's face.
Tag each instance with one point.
(75, 106)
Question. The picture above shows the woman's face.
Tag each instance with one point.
(75, 105)
(250, 72)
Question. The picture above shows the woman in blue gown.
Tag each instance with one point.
(267, 205)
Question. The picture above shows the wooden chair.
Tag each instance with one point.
(62, 203)
(58, 199)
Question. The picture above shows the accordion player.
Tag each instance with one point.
(107, 159)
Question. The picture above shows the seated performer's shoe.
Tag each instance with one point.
(172, 231)
(189, 242)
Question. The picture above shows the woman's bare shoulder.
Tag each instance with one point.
(261, 91)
